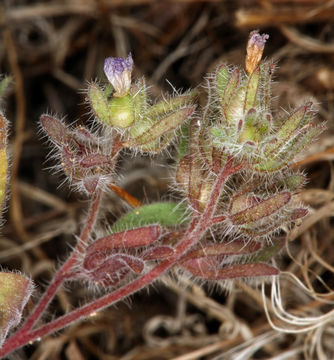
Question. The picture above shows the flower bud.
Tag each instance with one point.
(255, 47)
(118, 71)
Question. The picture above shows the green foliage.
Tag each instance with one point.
(162, 213)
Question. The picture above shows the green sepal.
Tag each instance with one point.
(109, 89)
(163, 126)
(249, 131)
(288, 150)
(294, 182)
(175, 103)
(222, 78)
(99, 103)
(218, 132)
(140, 107)
(157, 145)
(184, 136)
(252, 90)
(162, 213)
(266, 70)
(294, 122)
(226, 89)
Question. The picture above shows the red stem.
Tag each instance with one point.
(195, 232)
(60, 276)
(218, 219)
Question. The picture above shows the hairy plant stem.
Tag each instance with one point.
(62, 273)
(195, 232)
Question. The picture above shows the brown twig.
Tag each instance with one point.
(15, 202)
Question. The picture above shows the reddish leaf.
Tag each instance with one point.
(158, 252)
(114, 263)
(55, 129)
(236, 247)
(127, 239)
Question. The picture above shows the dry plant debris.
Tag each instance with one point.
(52, 48)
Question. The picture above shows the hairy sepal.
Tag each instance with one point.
(57, 132)
(164, 125)
(99, 103)
(259, 210)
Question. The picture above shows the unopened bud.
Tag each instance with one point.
(118, 71)
(255, 47)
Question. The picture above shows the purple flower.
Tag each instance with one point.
(257, 40)
(118, 71)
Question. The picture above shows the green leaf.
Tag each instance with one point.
(162, 213)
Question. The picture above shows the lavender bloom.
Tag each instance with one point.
(255, 39)
(118, 71)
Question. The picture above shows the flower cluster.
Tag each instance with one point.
(126, 108)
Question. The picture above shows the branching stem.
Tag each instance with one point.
(61, 274)
(195, 232)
